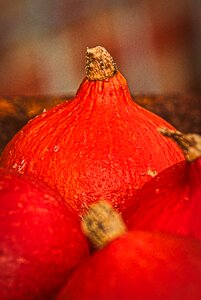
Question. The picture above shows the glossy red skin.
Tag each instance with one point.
(40, 239)
(100, 144)
(170, 202)
(140, 266)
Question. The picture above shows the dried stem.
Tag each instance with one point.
(102, 224)
(99, 64)
(190, 143)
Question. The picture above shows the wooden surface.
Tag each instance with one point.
(184, 112)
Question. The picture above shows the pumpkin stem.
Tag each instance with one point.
(99, 64)
(190, 143)
(102, 224)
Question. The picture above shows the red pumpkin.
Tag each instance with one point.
(40, 239)
(171, 201)
(99, 144)
(136, 265)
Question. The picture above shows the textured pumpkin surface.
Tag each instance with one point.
(171, 201)
(99, 144)
(15, 112)
(140, 266)
(40, 239)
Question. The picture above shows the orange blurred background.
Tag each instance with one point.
(156, 44)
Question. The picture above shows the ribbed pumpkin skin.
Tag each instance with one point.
(40, 239)
(100, 144)
(140, 266)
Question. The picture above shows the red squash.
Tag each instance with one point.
(99, 144)
(40, 239)
(171, 201)
(136, 265)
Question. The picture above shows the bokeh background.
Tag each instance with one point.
(156, 44)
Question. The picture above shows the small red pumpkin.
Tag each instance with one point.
(135, 265)
(171, 201)
(40, 239)
(99, 144)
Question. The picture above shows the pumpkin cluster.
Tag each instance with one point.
(100, 199)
